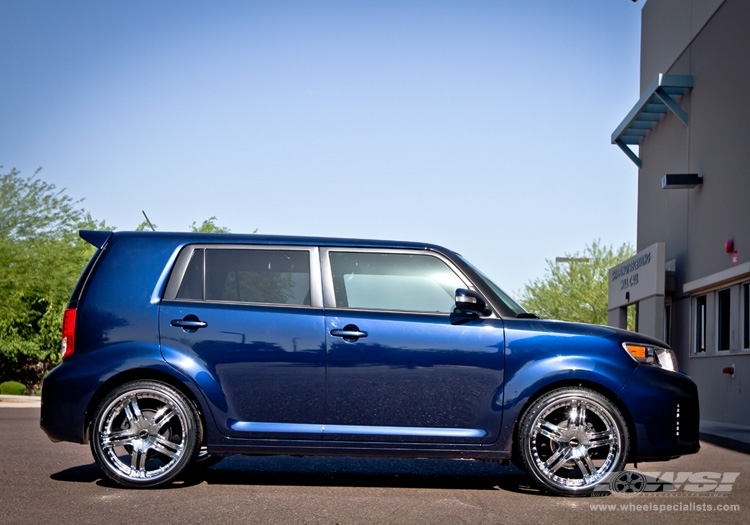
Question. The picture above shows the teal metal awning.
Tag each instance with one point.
(656, 102)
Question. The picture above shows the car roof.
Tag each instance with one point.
(99, 238)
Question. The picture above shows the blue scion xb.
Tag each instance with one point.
(183, 347)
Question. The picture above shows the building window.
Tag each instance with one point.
(700, 324)
(723, 319)
(746, 316)
(668, 324)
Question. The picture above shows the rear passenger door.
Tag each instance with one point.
(401, 366)
(247, 324)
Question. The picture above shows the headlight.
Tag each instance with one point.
(652, 355)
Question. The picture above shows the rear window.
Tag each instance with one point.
(80, 285)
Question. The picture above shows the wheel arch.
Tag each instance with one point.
(139, 374)
(582, 383)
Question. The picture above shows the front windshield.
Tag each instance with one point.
(504, 297)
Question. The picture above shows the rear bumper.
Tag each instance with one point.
(66, 393)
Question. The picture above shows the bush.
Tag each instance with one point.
(24, 369)
(12, 388)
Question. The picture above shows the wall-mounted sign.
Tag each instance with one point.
(641, 276)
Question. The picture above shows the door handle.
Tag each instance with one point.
(349, 333)
(189, 323)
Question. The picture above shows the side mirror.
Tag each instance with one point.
(471, 302)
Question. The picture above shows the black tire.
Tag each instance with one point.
(573, 439)
(145, 434)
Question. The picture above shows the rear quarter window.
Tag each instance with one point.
(242, 275)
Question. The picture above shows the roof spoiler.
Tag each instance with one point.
(95, 237)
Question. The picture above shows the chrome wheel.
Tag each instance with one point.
(572, 439)
(145, 433)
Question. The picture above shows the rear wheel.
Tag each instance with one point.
(572, 439)
(144, 434)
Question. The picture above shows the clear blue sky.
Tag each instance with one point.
(483, 126)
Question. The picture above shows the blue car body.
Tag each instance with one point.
(275, 379)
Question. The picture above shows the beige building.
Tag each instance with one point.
(689, 138)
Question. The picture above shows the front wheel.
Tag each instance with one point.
(572, 439)
(144, 434)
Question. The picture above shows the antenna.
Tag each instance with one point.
(148, 221)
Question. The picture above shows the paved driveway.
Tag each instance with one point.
(45, 482)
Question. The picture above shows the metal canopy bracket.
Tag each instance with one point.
(656, 102)
(629, 152)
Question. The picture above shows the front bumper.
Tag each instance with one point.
(665, 414)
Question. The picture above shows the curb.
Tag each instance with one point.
(725, 442)
(20, 401)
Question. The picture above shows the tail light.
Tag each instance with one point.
(68, 333)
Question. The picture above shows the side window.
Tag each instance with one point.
(723, 319)
(244, 275)
(745, 316)
(258, 276)
(393, 281)
(699, 304)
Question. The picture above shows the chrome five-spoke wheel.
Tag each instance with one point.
(572, 439)
(144, 434)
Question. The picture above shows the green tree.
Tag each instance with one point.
(146, 225)
(577, 289)
(41, 258)
(208, 226)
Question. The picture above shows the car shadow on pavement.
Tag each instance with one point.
(367, 472)
(81, 474)
(338, 472)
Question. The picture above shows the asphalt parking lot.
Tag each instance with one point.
(45, 482)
